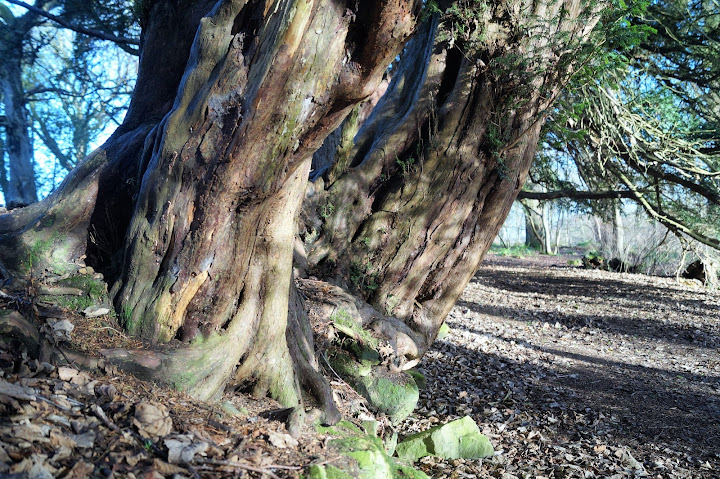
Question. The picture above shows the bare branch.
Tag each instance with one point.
(77, 28)
(574, 194)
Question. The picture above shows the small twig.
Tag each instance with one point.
(103, 417)
(110, 328)
(194, 472)
(247, 467)
(326, 461)
(55, 279)
(53, 403)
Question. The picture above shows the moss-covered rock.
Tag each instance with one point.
(419, 378)
(94, 293)
(365, 456)
(347, 367)
(443, 331)
(392, 393)
(457, 439)
(326, 472)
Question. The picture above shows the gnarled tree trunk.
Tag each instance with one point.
(437, 166)
(191, 205)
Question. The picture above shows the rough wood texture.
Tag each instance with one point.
(436, 170)
(191, 205)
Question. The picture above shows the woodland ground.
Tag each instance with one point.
(570, 372)
(580, 373)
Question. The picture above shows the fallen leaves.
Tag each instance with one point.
(152, 420)
(576, 373)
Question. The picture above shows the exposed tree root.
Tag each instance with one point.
(326, 302)
(301, 344)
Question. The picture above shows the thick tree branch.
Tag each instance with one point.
(77, 28)
(574, 194)
(670, 222)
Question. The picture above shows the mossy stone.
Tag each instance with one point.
(457, 439)
(443, 331)
(347, 367)
(365, 353)
(326, 472)
(394, 394)
(362, 456)
(419, 378)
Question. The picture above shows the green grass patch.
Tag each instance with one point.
(515, 251)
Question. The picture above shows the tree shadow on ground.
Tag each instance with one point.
(648, 406)
(539, 281)
(669, 332)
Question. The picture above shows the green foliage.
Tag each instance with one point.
(594, 260)
(462, 22)
(406, 165)
(364, 276)
(327, 210)
(642, 116)
(515, 251)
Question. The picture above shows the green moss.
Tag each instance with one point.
(457, 439)
(343, 428)
(344, 322)
(393, 394)
(348, 367)
(74, 303)
(35, 253)
(46, 252)
(182, 381)
(95, 292)
(443, 331)
(87, 283)
(419, 378)
(366, 453)
(326, 472)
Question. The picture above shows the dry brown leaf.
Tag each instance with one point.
(282, 440)
(66, 374)
(152, 419)
(17, 391)
(58, 439)
(166, 469)
(181, 449)
(80, 470)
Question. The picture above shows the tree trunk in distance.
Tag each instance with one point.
(21, 189)
(533, 228)
(619, 231)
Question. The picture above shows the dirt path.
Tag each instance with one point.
(577, 373)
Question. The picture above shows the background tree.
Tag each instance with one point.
(643, 125)
(30, 35)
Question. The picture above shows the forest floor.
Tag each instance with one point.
(570, 372)
(579, 373)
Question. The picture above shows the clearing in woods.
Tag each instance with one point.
(570, 372)
(580, 373)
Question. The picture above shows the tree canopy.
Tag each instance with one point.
(642, 122)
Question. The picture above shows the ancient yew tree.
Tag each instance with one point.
(192, 208)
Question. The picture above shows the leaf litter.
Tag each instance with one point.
(577, 373)
(570, 372)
